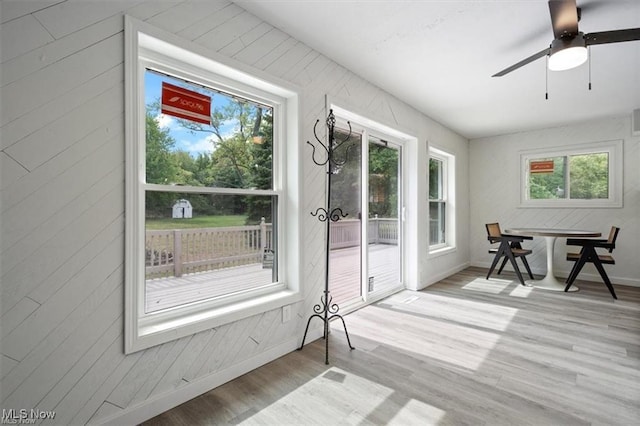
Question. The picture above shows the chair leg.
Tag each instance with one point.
(573, 268)
(499, 254)
(572, 275)
(493, 265)
(504, 262)
(515, 266)
(576, 270)
(604, 276)
(526, 265)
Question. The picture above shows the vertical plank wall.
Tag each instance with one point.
(496, 199)
(62, 211)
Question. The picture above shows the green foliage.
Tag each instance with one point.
(383, 181)
(345, 180)
(383, 178)
(236, 162)
(545, 186)
(261, 177)
(203, 169)
(435, 178)
(587, 174)
(161, 167)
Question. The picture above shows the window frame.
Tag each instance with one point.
(145, 45)
(441, 200)
(448, 198)
(614, 149)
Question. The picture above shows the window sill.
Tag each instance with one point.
(441, 251)
(164, 326)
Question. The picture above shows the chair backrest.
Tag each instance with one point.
(493, 231)
(613, 234)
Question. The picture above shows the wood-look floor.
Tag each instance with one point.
(465, 351)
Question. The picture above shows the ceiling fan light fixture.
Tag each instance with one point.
(567, 53)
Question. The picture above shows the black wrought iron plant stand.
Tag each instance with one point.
(326, 310)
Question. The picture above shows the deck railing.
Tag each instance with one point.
(174, 252)
(346, 232)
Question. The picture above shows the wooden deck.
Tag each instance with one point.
(384, 263)
(344, 269)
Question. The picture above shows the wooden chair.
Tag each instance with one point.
(588, 254)
(510, 248)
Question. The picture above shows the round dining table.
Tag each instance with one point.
(550, 282)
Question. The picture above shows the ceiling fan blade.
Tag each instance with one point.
(615, 36)
(564, 17)
(523, 62)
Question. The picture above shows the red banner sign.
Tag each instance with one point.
(184, 103)
(545, 166)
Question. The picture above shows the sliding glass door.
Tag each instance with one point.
(345, 267)
(384, 248)
(365, 259)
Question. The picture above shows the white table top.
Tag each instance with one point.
(552, 232)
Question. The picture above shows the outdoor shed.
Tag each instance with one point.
(182, 210)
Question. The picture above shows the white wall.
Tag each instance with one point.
(62, 211)
(495, 195)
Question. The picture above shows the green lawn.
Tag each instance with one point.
(197, 222)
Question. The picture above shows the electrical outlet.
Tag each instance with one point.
(286, 313)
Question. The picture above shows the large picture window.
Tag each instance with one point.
(213, 241)
(208, 188)
(584, 176)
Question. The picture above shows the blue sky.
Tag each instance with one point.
(187, 141)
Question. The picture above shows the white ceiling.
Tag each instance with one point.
(438, 56)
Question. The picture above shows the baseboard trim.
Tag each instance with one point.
(161, 403)
(432, 279)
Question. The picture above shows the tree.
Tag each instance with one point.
(161, 167)
(261, 176)
(231, 162)
(241, 157)
(544, 186)
(203, 169)
(589, 176)
(383, 178)
(345, 180)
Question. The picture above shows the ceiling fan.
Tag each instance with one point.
(569, 46)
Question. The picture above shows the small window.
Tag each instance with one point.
(585, 176)
(441, 195)
(437, 202)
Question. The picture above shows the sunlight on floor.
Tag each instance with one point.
(368, 402)
(494, 286)
(436, 338)
(521, 291)
(497, 286)
(494, 317)
(417, 413)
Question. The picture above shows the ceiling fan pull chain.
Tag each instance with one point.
(589, 54)
(546, 80)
